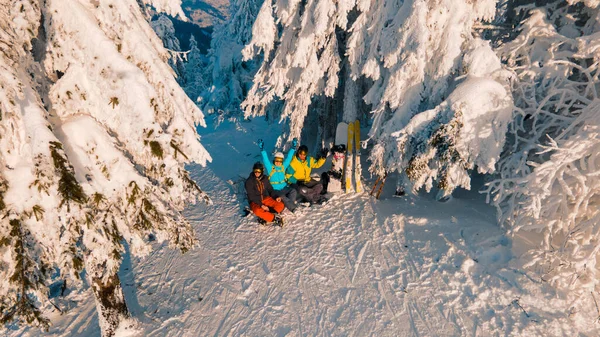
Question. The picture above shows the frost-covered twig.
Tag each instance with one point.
(516, 303)
(597, 308)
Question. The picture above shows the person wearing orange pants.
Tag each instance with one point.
(261, 195)
(263, 211)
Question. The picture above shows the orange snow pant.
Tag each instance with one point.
(265, 215)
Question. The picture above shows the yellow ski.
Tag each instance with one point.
(357, 167)
(349, 159)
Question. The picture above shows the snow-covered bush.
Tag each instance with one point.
(548, 177)
(94, 136)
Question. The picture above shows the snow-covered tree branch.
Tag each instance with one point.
(465, 131)
(548, 177)
(301, 58)
(94, 136)
(163, 27)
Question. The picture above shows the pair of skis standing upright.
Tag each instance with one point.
(345, 167)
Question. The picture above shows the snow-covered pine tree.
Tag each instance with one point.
(465, 131)
(413, 55)
(195, 72)
(27, 258)
(425, 61)
(231, 76)
(298, 43)
(163, 27)
(548, 178)
(94, 136)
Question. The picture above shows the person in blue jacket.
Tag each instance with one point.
(276, 173)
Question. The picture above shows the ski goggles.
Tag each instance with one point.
(278, 161)
(257, 171)
(302, 153)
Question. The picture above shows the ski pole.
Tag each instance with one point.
(375, 185)
(381, 186)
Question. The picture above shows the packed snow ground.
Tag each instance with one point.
(355, 266)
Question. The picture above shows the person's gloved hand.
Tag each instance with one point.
(324, 153)
(261, 144)
(294, 143)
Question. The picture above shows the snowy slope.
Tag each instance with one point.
(356, 266)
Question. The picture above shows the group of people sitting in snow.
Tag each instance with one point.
(275, 186)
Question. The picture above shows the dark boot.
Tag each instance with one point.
(278, 220)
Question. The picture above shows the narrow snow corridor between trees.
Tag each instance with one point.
(355, 266)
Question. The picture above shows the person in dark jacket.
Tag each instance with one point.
(261, 195)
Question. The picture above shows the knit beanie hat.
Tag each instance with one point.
(303, 149)
(258, 166)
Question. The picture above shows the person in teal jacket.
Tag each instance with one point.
(276, 173)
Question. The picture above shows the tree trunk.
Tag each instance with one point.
(110, 303)
(351, 98)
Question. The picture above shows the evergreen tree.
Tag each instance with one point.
(94, 136)
(231, 75)
(195, 70)
(411, 56)
(301, 57)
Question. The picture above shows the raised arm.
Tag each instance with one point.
(266, 162)
(314, 163)
(288, 158)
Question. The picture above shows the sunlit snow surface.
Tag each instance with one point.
(356, 266)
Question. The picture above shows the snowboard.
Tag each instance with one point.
(337, 163)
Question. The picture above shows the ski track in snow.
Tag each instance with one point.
(355, 266)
